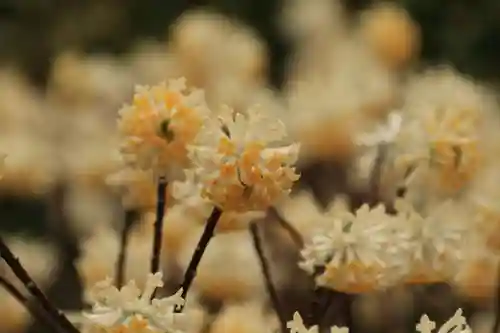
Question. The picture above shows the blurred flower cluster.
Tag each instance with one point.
(385, 173)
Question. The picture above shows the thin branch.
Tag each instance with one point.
(158, 226)
(122, 255)
(496, 325)
(34, 309)
(264, 265)
(376, 173)
(198, 253)
(292, 232)
(33, 289)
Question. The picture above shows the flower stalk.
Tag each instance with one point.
(33, 308)
(158, 226)
(14, 264)
(264, 265)
(205, 238)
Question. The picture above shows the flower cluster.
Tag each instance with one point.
(241, 161)
(456, 324)
(372, 249)
(132, 310)
(238, 161)
(158, 126)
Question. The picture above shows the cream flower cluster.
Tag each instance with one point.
(446, 132)
(371, 249)
(236, 161)
(352, 249)
(241, 161)
(159, 124)
(132, 310)
(297, 326)
(456, 324)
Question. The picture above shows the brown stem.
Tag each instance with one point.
(292, 232)
(264, 265)
(34, 309)
(158, 227)
(122, 255)
(198, 253)
(496, 325)
(376, 173)
(33, 289)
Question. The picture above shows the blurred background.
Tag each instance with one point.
(67, 66)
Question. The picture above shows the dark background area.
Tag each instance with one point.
(463, 32)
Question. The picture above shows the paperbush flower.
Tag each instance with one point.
(159, 124)
(130, 310)
(353, 250)
(435, 241)
(297, 326)
(241, 162)
(456, 324)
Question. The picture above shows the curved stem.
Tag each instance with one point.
(264, 265)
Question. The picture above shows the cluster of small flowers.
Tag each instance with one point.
(237, 161)
(456, 324)
(436, 170)
(132, 310)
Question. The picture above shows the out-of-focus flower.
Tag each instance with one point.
(83, 83)
(100, 252)
(241, 161)
(456, 324)
(243, 318)
(435, 240)
(446, 132)
(391, 33)
(87, 208)
(132, 310)
(355, 250)
(219, 54)
(297, 326)
(158, 126)
(349, 91)
(321, 20)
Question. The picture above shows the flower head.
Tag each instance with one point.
(354, 250)
(130, 310)
(241, 162)
(297, 326)
(158, 126)
(456, 324)
(435, 241)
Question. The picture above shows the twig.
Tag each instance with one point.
(198, 253)
(34, 309)
(315, 306)
(376, 173)
(264, 265)
(292, 232)
(496, 325)
(122, 256)
(158, 226)
(33, 289)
